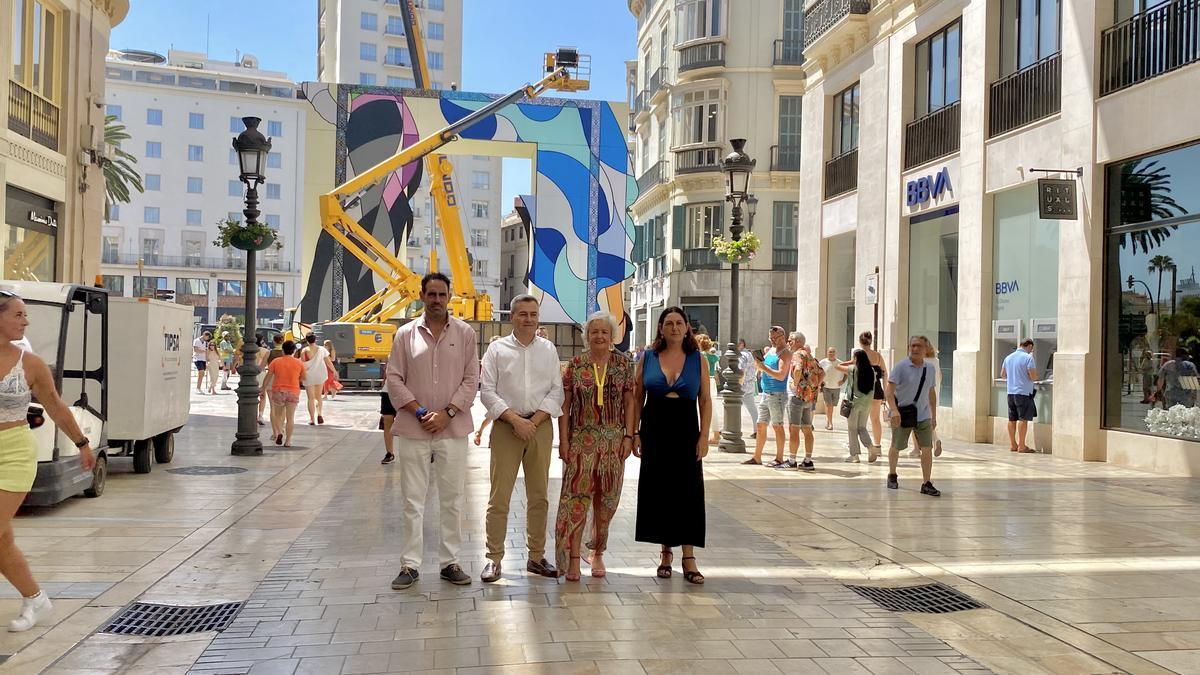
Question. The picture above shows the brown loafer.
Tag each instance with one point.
(491, 572)
(543, 568)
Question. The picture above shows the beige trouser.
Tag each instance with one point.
(509, 454)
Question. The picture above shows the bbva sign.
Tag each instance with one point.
(925, 188)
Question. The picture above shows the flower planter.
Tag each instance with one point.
(739, 259)
(247, 241)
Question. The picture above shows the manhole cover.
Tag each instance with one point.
(142, 618)
(207, 470)
(933, 598)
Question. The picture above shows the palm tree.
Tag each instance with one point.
(1146, 190)
(119, 174)
(1160, 264)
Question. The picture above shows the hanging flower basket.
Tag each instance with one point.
(244, 236)
(741, 251)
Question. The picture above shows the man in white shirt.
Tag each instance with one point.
(199, 347)
(522, 390)
(831, 388)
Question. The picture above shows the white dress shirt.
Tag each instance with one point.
(525, 378)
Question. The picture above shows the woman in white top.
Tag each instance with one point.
(25, 375)
(316, 368)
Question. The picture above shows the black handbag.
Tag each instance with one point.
(908, 413)
(848, 403)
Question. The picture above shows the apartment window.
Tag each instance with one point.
(274, 128)
(153, 182)
(479, 238)
(273, 191)
(698, 116)
(114, 212)
(395, 26)
(274, 160)
(195, 120)
(662, 140)
(1029, 31)
(664, 45)
(439, 5)
(150, 214)
(479, 209)
(154, 117)
(110, 249)
(195, 185)
(152, 245)
(437, 31)
(938, 60)
(789, 123)
(479, 268)
(144, 287)
(645, 143)
(153, 149)
(368, 21)
(272, 221)
(194, 216)
(785, 220)
(193, 249)
(702, 222)
(235, 125)
(396, 56)
(367, 79)
(697, 19)
(191, 287)
(436, 62)
(366, 51)
(394, 81)
(235, 188)
(481, 180)
(36, 47)
(195, 153)
(233, 216)
(113, 283)
(229, 287)
(113, 110)
(845, 120)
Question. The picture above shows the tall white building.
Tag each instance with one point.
(363, 42)
(182, 112)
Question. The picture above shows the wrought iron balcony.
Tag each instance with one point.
(1026, 96)
(786, 158)
(639, 103)
(32, 116)
(698, 160)
(789, 53)
(825, 14)
(657, 81)
(784, 259)
(700, 259)
(703, 55)
(932, 136)
(655, 175)
(1149, 44)
(841, 174)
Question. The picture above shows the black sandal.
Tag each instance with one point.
(664, 570)
(692, 576)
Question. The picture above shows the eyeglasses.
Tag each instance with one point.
(8, 294)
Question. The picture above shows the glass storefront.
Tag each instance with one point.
(28, 240)
(1024, 290)
(839, 307)
(1152, 295)
(933, 288)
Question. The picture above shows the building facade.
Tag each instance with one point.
(53, 143)
(706, 74)
(514, 260)
(364, 42)
(928, 129)
(182, 112)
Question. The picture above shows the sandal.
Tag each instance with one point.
(597, 573)
(664, 570)
(692, 576)
(576, 576)
(752, 461)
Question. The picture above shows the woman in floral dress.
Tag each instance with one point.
(595, 438)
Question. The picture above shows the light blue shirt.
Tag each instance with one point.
(907, 377)
(1016, 367)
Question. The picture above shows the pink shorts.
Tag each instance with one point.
(283, 397)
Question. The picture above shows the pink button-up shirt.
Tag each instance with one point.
(435, 373)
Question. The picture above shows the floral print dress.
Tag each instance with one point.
(594, 469)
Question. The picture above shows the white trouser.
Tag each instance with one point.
(450, 470)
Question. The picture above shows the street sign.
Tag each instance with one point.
(872, 295)
(1056, 199)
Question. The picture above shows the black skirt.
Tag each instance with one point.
(670, 510)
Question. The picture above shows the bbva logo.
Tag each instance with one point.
(1006, 287)
(925, 188)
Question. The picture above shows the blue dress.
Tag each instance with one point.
(670, 509)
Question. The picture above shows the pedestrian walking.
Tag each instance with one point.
(225, 350)
(387, 417)
(880, 369)
(200, 359)
(859, 389)
(749, 385)
(213, 360)
(522, 390)
(26, 376)
(284, 376)
(1019, 370)
(276, 348)
(261, 355)
(911, 382)
(831, 387)
(804, 387)
(432, 378)
(332, 384)
(1177, 381)
(709, 351)
(596, 433)
(775, 365)
(316, 369)
(931, 359)
(673, 403)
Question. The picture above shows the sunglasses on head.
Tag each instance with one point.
(8, 294)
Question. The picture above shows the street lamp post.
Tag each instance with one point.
(252, 148)
(737, 167)
(1149, 293)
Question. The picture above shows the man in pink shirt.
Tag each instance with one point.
(432, 378)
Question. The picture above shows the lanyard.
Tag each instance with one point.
(600, 377)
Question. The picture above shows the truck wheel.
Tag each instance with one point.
(99, 477)
(164, 448)
(141, 456)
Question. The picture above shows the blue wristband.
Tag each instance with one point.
(421, 412)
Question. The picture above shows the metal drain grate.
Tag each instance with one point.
(936, 598)
(142, 618)
(207, 470)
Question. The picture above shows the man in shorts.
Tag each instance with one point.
(225, 349)
(804, 385)
(199, 346)
(1019, 371)
(911, 383)
(774, 369)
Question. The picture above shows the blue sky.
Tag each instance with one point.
(503, 42)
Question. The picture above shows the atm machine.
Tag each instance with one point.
(1044, 333)
(1006, 336)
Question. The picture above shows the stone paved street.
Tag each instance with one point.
(1085, 568)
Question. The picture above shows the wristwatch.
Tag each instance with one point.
(450, 412)
(80, 444)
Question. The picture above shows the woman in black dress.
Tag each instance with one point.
(673, 390)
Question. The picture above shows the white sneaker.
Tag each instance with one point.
(852, 459)
(33, 610)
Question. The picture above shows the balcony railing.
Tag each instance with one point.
(1149, 44)
(655, 175)
(697, 160)
(400, 63)
(700, 259)
(784, 259)
(394, 31)
(841, 174)
(705, 55)
(789, 53)
(785, 158)
(1026, 96)
(639, 103)
(198, 262)
(657, 81)
(934, 135)
(32, 116)
(826, 14)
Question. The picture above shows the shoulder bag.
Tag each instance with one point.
(908, 413)
(848, 401)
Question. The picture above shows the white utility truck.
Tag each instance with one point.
(123, 367)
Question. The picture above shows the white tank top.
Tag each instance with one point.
(314, 367)
(15, 394)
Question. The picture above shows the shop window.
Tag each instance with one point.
(113, 283)
(229, 287)
(270, 289)
(933, 290)
(1152, 295)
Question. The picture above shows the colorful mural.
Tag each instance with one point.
(582, 187)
